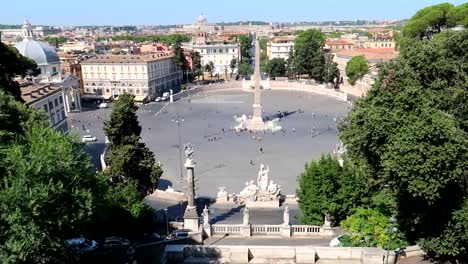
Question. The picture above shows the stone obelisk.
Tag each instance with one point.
(257, 121)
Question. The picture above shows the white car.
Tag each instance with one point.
(88, 138)
(103, 105)
(158, 99)
(81, 245)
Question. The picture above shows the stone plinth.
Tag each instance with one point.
(245, 231)
(191, 219)
(286, 231)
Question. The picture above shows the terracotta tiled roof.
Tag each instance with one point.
(128, 58)
(338, 42)
(371, 54)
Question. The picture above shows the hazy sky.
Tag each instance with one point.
(155, 12)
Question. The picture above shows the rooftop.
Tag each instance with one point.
(128, 58)
(370, 54)
(338, 42)
(35, 92)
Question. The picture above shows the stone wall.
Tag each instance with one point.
(273, 254)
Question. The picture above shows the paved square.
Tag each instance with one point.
(226, 158)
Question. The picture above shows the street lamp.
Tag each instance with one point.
(178, 120)
(167, 223)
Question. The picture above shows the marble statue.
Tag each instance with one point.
(262, 179)
(246, 219)
(326, 221)
(249, 191)
(286, 216)
(189, 150)
(274, 189)
(206, 215)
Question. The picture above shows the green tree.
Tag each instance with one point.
(209, 68)
(452, 243)
(55, 40)
(134, 163)
(318, 185)
(277, 67)
(244, 69)
(370, 228)
(458, 16)
(123, 126)
(129, 160)
(233, 65)
(429, 21)
(331, 71)
(46, 195)
(179, 57)
(309, 57)
(356, 68)
(196, 64)
(410, 132)
(246, 46)
(12, 64)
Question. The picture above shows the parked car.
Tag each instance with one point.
(151, 238)
(181, 233)
(88, 138)
(81, 245)
(103, 105)
(158, 99)
(116, 245)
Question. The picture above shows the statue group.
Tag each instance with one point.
(264, 190)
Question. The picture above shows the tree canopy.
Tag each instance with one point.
(410, 132)
(171, 39)
(130, 161)
(246, 46)
(196, 64)
(309, 57)
(46, 193)
(245, 69)
(12, 64)
(356, 68)
(277, 67)
(434, 19)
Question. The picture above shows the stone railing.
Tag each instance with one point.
(305, 230)
(226, 229)
(265, 229)
(271, 230)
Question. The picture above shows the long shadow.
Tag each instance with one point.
(279, 115)
(163, 184)
(226, 215)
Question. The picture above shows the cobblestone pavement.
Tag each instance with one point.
(225, 159)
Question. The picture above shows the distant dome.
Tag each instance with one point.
(41, 52)
(201, 19)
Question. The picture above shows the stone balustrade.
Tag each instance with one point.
(272, 230)
(226, 229)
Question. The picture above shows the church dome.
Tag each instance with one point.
(41, 52)
(201, 19)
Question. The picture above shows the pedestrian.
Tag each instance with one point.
(261, 150)
(251, 162)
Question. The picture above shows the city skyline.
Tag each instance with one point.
(51, 12)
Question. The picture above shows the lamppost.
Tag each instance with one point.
(178, 120)
(167, 223)
(390, 230)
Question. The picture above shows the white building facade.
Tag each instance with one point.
(220, 54)
(144, 76)
(280, 47)
(49, 98)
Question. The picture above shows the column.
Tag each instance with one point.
(191, 215)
